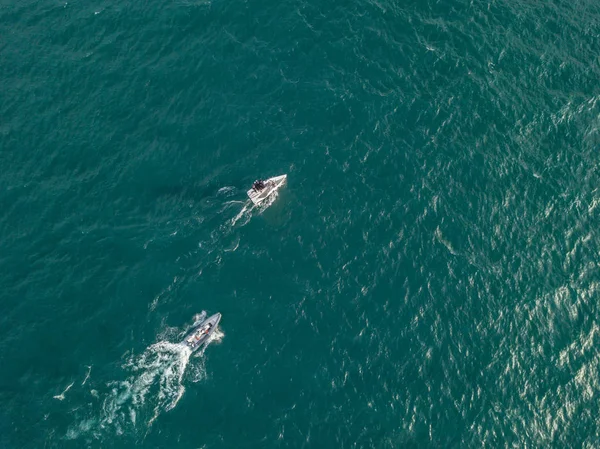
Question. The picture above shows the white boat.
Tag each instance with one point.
(261, 190)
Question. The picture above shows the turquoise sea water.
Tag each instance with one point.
(428, 277)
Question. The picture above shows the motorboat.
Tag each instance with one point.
(201, 332)
(262, 189)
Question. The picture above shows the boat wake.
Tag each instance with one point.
(245, 214)
(156, 382)
(154, 385)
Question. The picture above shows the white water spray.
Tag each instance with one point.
(155, 382)
(154, 385)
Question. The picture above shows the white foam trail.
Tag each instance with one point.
(241, 214)
(154, 384)
(87, 376)
(159, 369)
(61, 397)
(235, 246)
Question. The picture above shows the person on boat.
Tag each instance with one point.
(258, 185)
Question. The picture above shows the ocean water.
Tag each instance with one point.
(428, 277)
